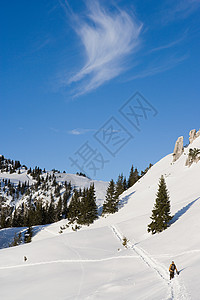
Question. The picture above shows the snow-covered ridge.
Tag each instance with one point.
(77, 182)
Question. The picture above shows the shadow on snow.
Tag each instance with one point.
(182, 211)
(125, 200)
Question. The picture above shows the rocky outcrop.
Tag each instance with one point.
(178, 149)
(193, 135)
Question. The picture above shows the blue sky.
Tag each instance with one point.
(67, 67)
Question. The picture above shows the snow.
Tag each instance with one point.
(76, 182)
(15, 178)
(92, 263)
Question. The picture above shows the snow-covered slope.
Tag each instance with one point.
(84, 182)
(93, 264)
(76, 182)
(43, 192)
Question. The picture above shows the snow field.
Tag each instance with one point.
(93, 264)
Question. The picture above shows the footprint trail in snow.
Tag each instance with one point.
(176, 289)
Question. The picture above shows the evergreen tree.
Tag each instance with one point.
(29, 218)
(38, 214)
(57, 191)
(193, 153)
(17, 240)
(119, 189)
(82, 219)
(146, 170)
(133, 177)
(88, 206)
(51, 211)
(74, 211)
(65, 199)
(161, 211)
(59, 210)
(92, 212)
(15, 222)
(125, 184)
(110, 205)
(28, 235)
(2, 219)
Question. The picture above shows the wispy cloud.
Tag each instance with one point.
(159, 67)
(180, 9)
(80, 131)
(54, 129)
(186, 7)
(108, 37)
(169, 45)
(41, 43)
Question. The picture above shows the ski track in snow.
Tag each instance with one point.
(176, 288)
(68, 261)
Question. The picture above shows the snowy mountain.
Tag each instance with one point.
(77, 182)
(21, 188)
(92, 263)
(28, 196)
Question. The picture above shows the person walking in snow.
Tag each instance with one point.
(172, 269)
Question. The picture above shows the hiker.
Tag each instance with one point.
(172, 269)
(25, 258)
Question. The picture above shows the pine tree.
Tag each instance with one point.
(51, 211)
(93, 211)
(59, 210)
(193, 153)
(125, 184)
(65, 199)
(2, 219)
(110, 205)
(88, 206)
(74, 207)
(82, 219)
(17, 240)
(133, 177)
(38, 214)
(15, 219)
(161, 211)
(119, 186)
(28, 235)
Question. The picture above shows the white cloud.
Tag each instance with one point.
(169, 45)
(186, 7)
(181, 9)
(41, 43)
(159, 68)
(79, 131)
(54, 129)
(108, 37)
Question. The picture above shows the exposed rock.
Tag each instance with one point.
(178, 149)
(188, 162)
(193, 135)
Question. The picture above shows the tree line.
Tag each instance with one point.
(78, 206)
(114, 190)
(34, 208)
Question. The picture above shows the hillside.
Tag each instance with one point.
(77, 182)
(27, 196)
(93, 264)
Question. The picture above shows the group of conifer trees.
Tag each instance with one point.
(82, 208)
(161, 212)
(114, 190)
(35, 210)
(8, 165)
